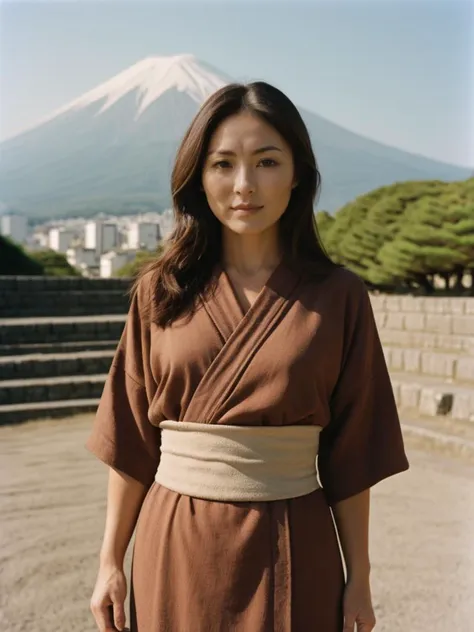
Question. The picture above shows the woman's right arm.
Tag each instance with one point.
(125, 496)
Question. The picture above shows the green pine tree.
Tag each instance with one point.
(425, 246)
(15, 261)
(54, 263)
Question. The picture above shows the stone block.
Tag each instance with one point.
(448, 342)
(412, 304)
(440, 364)
(393, 303)
(435, 401)
(410, 394)
(380, 319)
(469, 306)
(412, 360)
(395, 320)
(457, 306)
(465, 369)
(378, 302)
(426, 340)
(463, 406)
(438, 305)
(463, 325)
(415, 321)
(396, 359)
(439, 323)
(400, 338)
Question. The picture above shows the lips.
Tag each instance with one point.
(246, 207)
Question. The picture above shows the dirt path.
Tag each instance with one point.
(52, 502)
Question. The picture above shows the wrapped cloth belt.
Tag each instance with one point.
(238, 463)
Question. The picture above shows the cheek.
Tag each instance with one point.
(215, 188)
(277, 183)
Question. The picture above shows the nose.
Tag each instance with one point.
(244, 183)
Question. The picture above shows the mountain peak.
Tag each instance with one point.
(151, 77)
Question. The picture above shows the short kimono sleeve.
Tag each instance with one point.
(122, 435)
(363, 443)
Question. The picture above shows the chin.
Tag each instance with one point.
(247, 227)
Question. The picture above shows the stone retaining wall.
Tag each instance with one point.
(448, 316)
(27, 297)
(58, 336)
(76, 284)
(55, 330)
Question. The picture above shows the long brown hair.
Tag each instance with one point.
(195, 247)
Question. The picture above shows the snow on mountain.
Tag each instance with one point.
(114, 146)
(151, 78)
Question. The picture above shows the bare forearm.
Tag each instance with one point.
(125, 496)
(352, 521)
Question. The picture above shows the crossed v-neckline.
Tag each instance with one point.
(242, 334)
(243, 314)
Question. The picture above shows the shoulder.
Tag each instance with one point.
(350, 296)
(348, 281)
(345, 285)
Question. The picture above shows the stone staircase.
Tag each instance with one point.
(58, 337)
(429, 348)
(57, 340)
(27, 297)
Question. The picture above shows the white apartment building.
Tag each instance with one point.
(112, 261)
(143, 235)
(101, 237)
(82, 258)
(14, 226)
(60, 239)
(167, 222)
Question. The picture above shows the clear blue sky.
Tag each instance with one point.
(398, 71)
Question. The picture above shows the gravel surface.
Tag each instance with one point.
(52, 504)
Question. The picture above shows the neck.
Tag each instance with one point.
(248, 255)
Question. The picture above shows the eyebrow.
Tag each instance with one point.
(260, 150)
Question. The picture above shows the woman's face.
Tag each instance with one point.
(248, 174)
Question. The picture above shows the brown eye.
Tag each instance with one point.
(222, 164)
(268, 162)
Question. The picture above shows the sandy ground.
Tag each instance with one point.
(52, 504)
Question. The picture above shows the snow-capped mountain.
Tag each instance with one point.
(150, 78)
(115, 145)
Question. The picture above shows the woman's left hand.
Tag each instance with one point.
(358, 608)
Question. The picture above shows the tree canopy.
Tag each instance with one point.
(143, 257)
(54, 263)
(406, 235)
(15, 261)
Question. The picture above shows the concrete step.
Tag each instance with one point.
(440, 434)
(459, 305)
(431, 396)
(60, 303)
(50, 389)
(59, 329)
(425, 341)
(439, 323)
(60, 347)
(18, 413)
(55, 364)
(449, 366)
(64, 284)
(20, 400)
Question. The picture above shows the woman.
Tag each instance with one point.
(246, 353)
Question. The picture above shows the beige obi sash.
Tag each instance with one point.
(238, 463)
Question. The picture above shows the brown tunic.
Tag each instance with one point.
(306, 352)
